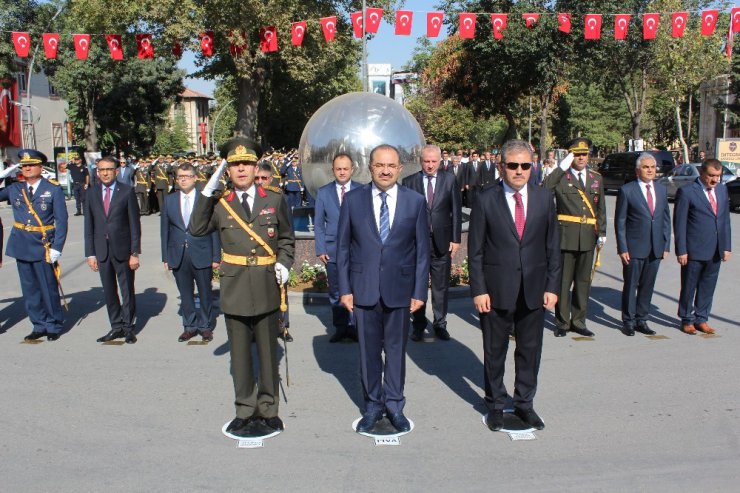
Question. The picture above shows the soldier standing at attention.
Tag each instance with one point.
(581, 208)
(142, 186)
(258, 244)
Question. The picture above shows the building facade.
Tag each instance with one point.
(194, 107)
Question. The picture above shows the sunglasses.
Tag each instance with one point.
(514, 166)
(259, 178)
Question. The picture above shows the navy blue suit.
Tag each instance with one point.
(645, 237)
(326, 223)
(383, 278)
(704, 237)
(293, 184)
(38, 283)
(190, 258)
(126, 175)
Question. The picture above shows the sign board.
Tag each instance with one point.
(728, 151)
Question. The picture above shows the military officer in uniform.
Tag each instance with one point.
(80, 182)
(200, 174)
(293, 182)
(581, 208)
(36, 242)
(142, 181)
(161, 178)
(258, 245)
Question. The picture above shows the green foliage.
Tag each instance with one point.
(20, 15)
(172, 137)
(315, 274)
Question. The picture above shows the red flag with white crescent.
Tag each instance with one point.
(22, 43)
(404, 18)
(51, 44)
(297, 33)
(678, 23)
(434, 23)
(467, 25)
(114, 46)
(498, 22)
(329, 27)
(10, 135)
(530, 19)
(564, 23)
(82, 45)
(650, 25)
(177, 49)
(356, 18)
(144, 46)
(372, 20)
(268, 39)
(735, 19)
(708, 22)
(206, 43)
(592, 26)
(621, 25)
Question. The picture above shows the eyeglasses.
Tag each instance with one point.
(381, 166)
(106, 169)
(514, 166)
(262, 178)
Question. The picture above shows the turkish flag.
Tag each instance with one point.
(202, 129)
(114, 45)
(621, 25)
(329, 26)
(735, 16)
(708, 22)
(82, 45)
(297, 33)
(10, 134)
(498, 22)
(268, 39)
(404, 18)
(467, 25)
(650, 25)
(206, 43)
(373, 17)
(51, 44)
(564, 23)
(177, 50)
(434, 23)
(356, 18)
(530, 19)
(678, 23)
(144, 46)
(592, 26)
(22, 43)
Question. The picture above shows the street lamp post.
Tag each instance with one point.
(214, 147)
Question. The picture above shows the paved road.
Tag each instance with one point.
(622, 414)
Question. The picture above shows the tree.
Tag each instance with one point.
(19, 15)
(172, 136)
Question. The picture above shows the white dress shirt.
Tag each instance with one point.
(250, 196)
(583, 172)
(511, 202)
(339, 190)
(643, 189)
(390, 200)
(426, 180)
(191, 198)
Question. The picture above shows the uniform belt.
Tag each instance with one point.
(248, 261)
(576, 219)
(37, 229)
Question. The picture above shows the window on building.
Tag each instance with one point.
(22, 78)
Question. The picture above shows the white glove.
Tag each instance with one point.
(54, 255)
(213, 183)
(8, 170)
(566, 162)
(281, 273)
(602, 241)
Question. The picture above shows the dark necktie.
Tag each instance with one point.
(106, 200)
(519, 218)
(245, 204)
(651, 204)
(385, 225)
(712, 200)
(30, 193)
(341, 196)
(580, 179)
(430, 192)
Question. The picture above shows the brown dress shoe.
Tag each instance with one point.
(688, 329)
(207, 335)
(704, 327)
(186, 336)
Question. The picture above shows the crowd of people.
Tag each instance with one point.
(536, 234)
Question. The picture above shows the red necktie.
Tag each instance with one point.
(712, 201)
(651, 204)
(519, 219)
(106, 200)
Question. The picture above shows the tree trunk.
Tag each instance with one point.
(545, 105)
(688, 122)
(91, 127)
(511, 131)
(677, 104)
(247, 111)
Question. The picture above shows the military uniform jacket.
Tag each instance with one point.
(579, 237)
(293, 178)
(142, 180)
(48, 202)
(161, 176)
(248, 290)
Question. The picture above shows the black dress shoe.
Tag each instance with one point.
(584, 332)
(368, 421)
(130, 338)
(628, 330)
(442, 334)
(237, 424)
(78, 213)
(644, 329)
(399, 422)
(338, 336)
(35, 335)
(530, 417)
(52, 337)
(560, 332)
(113, 334)
(417, 335)
(275, 423)
(495, 420)
(186, 336)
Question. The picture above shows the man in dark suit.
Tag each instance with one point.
(514, 255)
(487, 171)
(459, 170)
(126, 174)
(444, 213)
(383, 265)
(446, 162)
(472, 181)
(642, 223)
(113, 245)
(191, 258)
(701, 227)
(326, 220)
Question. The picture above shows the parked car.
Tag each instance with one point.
(688, 173)
(619, 168)
(733, 190)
